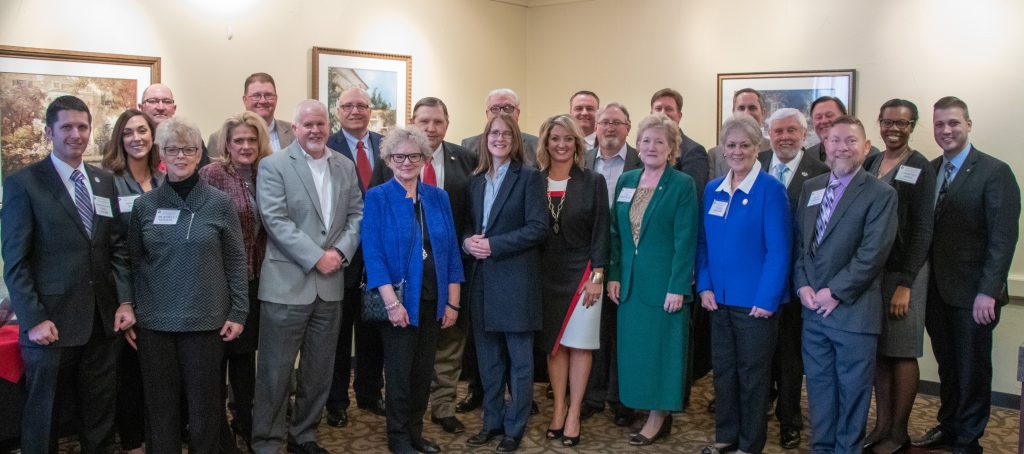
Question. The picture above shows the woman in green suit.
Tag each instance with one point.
(653, 248)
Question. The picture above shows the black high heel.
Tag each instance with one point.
(569, 442)
(666, 429)
(554, 434)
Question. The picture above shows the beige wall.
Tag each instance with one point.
(624, 50)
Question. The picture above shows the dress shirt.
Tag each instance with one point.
(355, 148)
(324, 185)
(611, 168)
(437, 160)
(792, 165)
(957, 161)
(64, 170)
(591, 140)
(275, 141)
(844, 182)
(491, 189)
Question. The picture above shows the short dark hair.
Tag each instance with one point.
(897, 102)
(430, 101)
(66, 102)
(585, 92)
(760, 97)
(949, 102)
(258, 77)
(668, 92)
(839, 104)
(850, 120)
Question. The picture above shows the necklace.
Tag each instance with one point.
(423, 234)
(556, 213)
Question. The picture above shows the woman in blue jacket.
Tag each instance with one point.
(743, 253)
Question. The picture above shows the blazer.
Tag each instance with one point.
(126, 189)
(743, 254)
(809, 167)
(529, 147)
(693, 161)
(588, 203)
(915, 214)
(975, 230)
(339, 143)
(223, 176)
(663, 260)
(285, 135)
(290, 209)
(392, 243)
(852, 252)
(632, 160)
(53, 269)
(517, 226)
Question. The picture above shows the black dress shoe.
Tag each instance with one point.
(471, 402)
(534, 409)
(309, 447)
(376, 407)
(450, 424)
(588, 410)
(623, 416)
(934, 438)
(425, 445)
(665, 430)
(483, 437)
(337, 418)
(789, 438)
(507, 444)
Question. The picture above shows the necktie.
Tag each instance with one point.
(827, 204)
(947, 175)
(363, 166)
(780, 172)
(82, 201)
(429, 176)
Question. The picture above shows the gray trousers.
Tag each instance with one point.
(288, 330)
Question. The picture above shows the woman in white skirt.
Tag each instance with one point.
(573, 260)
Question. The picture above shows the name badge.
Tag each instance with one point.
(102, 206)
(626, 195)
(816, 197)
(126, 203)
(718, 208)
(908, 174)
(166, 217)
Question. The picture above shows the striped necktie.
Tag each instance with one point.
(946, 176)
(827, 204)
(82, 201)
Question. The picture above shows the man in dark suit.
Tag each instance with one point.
(504, 100)
(583, 106)
(259, 96)
(824, 110)
(790, 164)
(610, 158)
(847, 226)
(976, 227)
(66, 266)
(356, 142)
(693, 157)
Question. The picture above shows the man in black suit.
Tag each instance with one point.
(790, 164)
(504, 100)
(977, 210)
(356, 142)
(693, 157)
(824, 110)
(66, 267)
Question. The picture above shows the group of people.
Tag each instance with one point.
(145, 287)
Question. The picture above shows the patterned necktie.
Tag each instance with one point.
(780, 172)
(947, 175)
(82, 201)
(827, 204)
(429, 176)
(363, 166)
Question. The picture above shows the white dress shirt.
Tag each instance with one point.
(791, 165)
(65, 170)
(437, 160)
(324, 186)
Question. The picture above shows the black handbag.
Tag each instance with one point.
(373, 303)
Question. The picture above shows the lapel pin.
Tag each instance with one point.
(452, 158)
(803, 174)
(96, 179)
(744, 201)
(660, 187)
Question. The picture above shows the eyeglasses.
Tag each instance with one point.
(507, 108)
(175, 151)
(357, 107)
(614, 123)
(498, 134)
(400, 158)
(901, 124)
(156, 101)
(258, 96)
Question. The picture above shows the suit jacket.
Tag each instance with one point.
(529, 147)
(285, 135)
(632, 160)
(818, 150)
(337, 141)
(852, 252)
(517, 226)
(809, 167)
(291, 213)
(53, 269)
(693, 161)
(975, 230)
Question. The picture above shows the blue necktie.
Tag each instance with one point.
(947, 175)
(82, 201)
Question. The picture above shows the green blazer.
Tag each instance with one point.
(663, 260)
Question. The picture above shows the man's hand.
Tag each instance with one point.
(900, 303)
(613, 291)
(230, 331)
(806, 295)
(124, 318)
(329, 262)
(45, 333)
(826, 304)
(478, 246)
(984, 309)
(757, 312)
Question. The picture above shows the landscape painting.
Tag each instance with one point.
(386, 77)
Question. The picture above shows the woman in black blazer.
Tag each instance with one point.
(905, 280)
(508, 222)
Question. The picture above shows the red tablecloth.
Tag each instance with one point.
(11, 366)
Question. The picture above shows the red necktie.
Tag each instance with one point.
(363, 166)
(429, 177)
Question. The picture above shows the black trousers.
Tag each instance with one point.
(963, 350)
(603, 384)
(369, 380)
(186, 363)
(788, 366)
(408, 369)
(130, 418)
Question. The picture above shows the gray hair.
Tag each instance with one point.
(671, 129)
(307, 105)
(399, 136)
(745, 124)
(613, 105)
(180, 129)
(502, 91)
(787, 112)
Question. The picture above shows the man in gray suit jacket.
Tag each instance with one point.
(505, 100)
(311, 206)
(847, 226)
(260, 97)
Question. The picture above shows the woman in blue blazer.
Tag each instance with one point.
(408, 236)
(743, 253)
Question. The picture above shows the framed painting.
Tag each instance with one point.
(31, 78)
(386, 77)
(796, 89)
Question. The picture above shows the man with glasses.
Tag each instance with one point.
(507, 101)
(158, 103)
(583, 107)
(260, 97)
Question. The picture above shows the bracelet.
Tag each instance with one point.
(454, 307)
(388, 307)
(596, 278)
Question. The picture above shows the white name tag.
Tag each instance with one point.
(816, 197)
(908, 174)
(718, 208)
(166, 217)
(626, 195)
(102, 206)
(126, 203)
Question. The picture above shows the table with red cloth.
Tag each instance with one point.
(12, 391)
(11, 366)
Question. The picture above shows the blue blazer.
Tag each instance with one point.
(743, 255)
(388, 232)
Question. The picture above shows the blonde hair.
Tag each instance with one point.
(565, 121)
(253, 121)
(671, 129)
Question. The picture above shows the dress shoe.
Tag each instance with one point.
(375, 406)
(640, 440)
(309, 447)
(484, 436)
(589, 410)
(789, 438)
(934, 438)
(534, 409)
(450, 424)
(623, 416)
(425, 445)
(570, 442)
(471, 402)
(337, 418)
(712, 449)
(507, 444)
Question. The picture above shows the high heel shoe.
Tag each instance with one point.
(554, 434)
(569, 442)
(666, 429)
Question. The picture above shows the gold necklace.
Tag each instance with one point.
(556, 213)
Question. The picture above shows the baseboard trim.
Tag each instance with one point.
(1002, 400)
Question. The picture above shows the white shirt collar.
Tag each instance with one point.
(745, 185)
(438, 156)
(792, 164)
(65, 170)
(621, 153)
